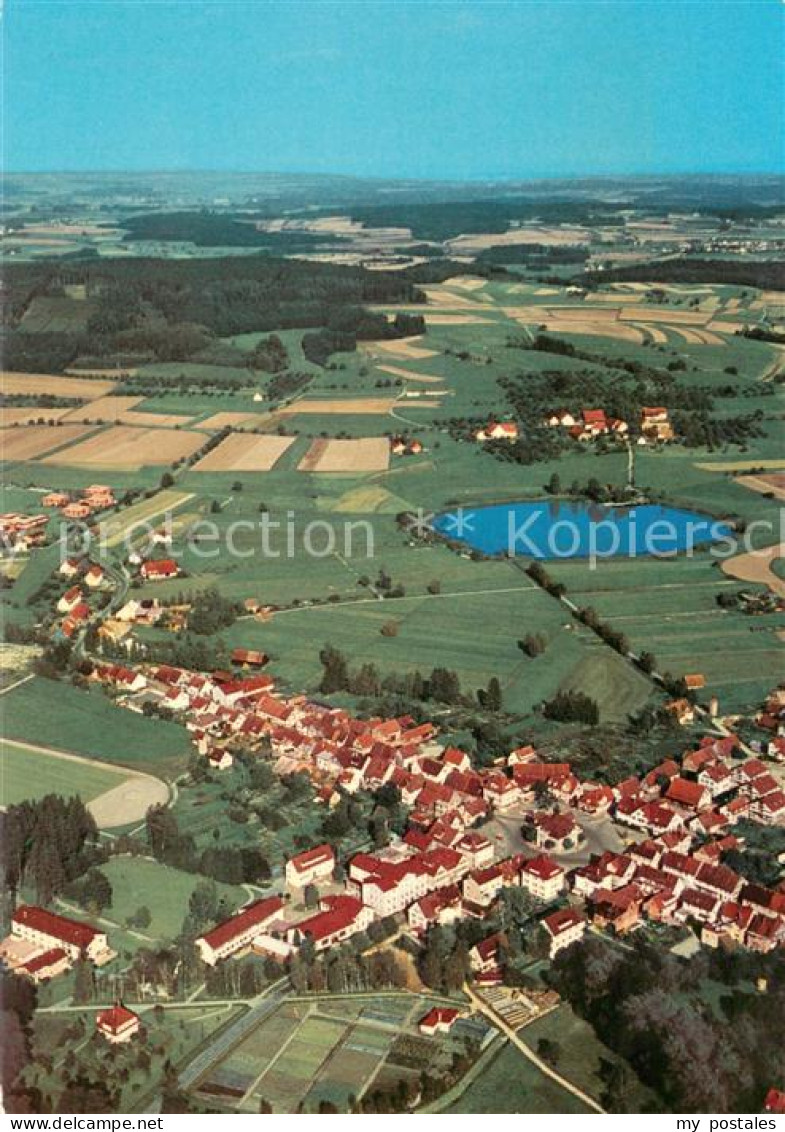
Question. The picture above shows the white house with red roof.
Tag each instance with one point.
(339, 917)
(159, 569)
(310, 867)
(563, 928)
(50, 931)
(440, 1020)
(238, 932)
(117, 1024)
(44, 965)
(542, 877)
(70, 599)
(497, 430)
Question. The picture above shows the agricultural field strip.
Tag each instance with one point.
(143, 514)
(279, 1052)
(391, 602)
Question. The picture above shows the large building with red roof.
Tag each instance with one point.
(50, 931)
(238, 932)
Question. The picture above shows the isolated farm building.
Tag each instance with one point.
(48, 930)
(117, 1024)
(238, 932)
(159, 569)
(498, 430)
(440, 1020)
(249, 658)
(311, 866)
(695, 681)
(564, 928)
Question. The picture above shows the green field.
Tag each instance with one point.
(54, 714)
(138, 882)
(30, 774)
(512, 1084)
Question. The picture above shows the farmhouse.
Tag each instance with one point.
(160, 569)
(56, 499)
(310, 867)
(117, 1024)
(238, 932)
(494, 430)
(76, 510)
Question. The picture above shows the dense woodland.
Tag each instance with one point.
(173, 310)
(768, 274)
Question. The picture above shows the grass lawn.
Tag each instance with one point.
(30, 774)
(52, 713)
(580, 1054)
(138, 882)
(512, 1084)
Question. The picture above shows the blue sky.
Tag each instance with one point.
(413, 89)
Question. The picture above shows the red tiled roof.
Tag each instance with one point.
(257, 913)
(69, 931)
(115, 1018)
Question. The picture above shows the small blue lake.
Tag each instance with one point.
(558, 529)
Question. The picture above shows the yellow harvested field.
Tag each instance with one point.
(341, 407)
(585, 314)
(245, 452)
(602, 328)
(771, 484)
(411, 375)
(665, 314)
(442, 319)
(467, 282)
(124, 446)
(119, 410)
(28, 442)
(401, 348)
(46, 384)
(724, 327)
(19, 415)
(740, 465)
(233, 420)
(465, 245)
(370, 454)
(659, 337)
(756, 567)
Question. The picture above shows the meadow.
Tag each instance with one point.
(28, 774)
(51, 713)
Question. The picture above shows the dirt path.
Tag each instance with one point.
(756, 567)
(500, 1024)
(773, 484)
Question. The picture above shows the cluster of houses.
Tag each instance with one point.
(19, 532)
(97, 497)
(405, 446)
(86, 579)
(589, 424)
